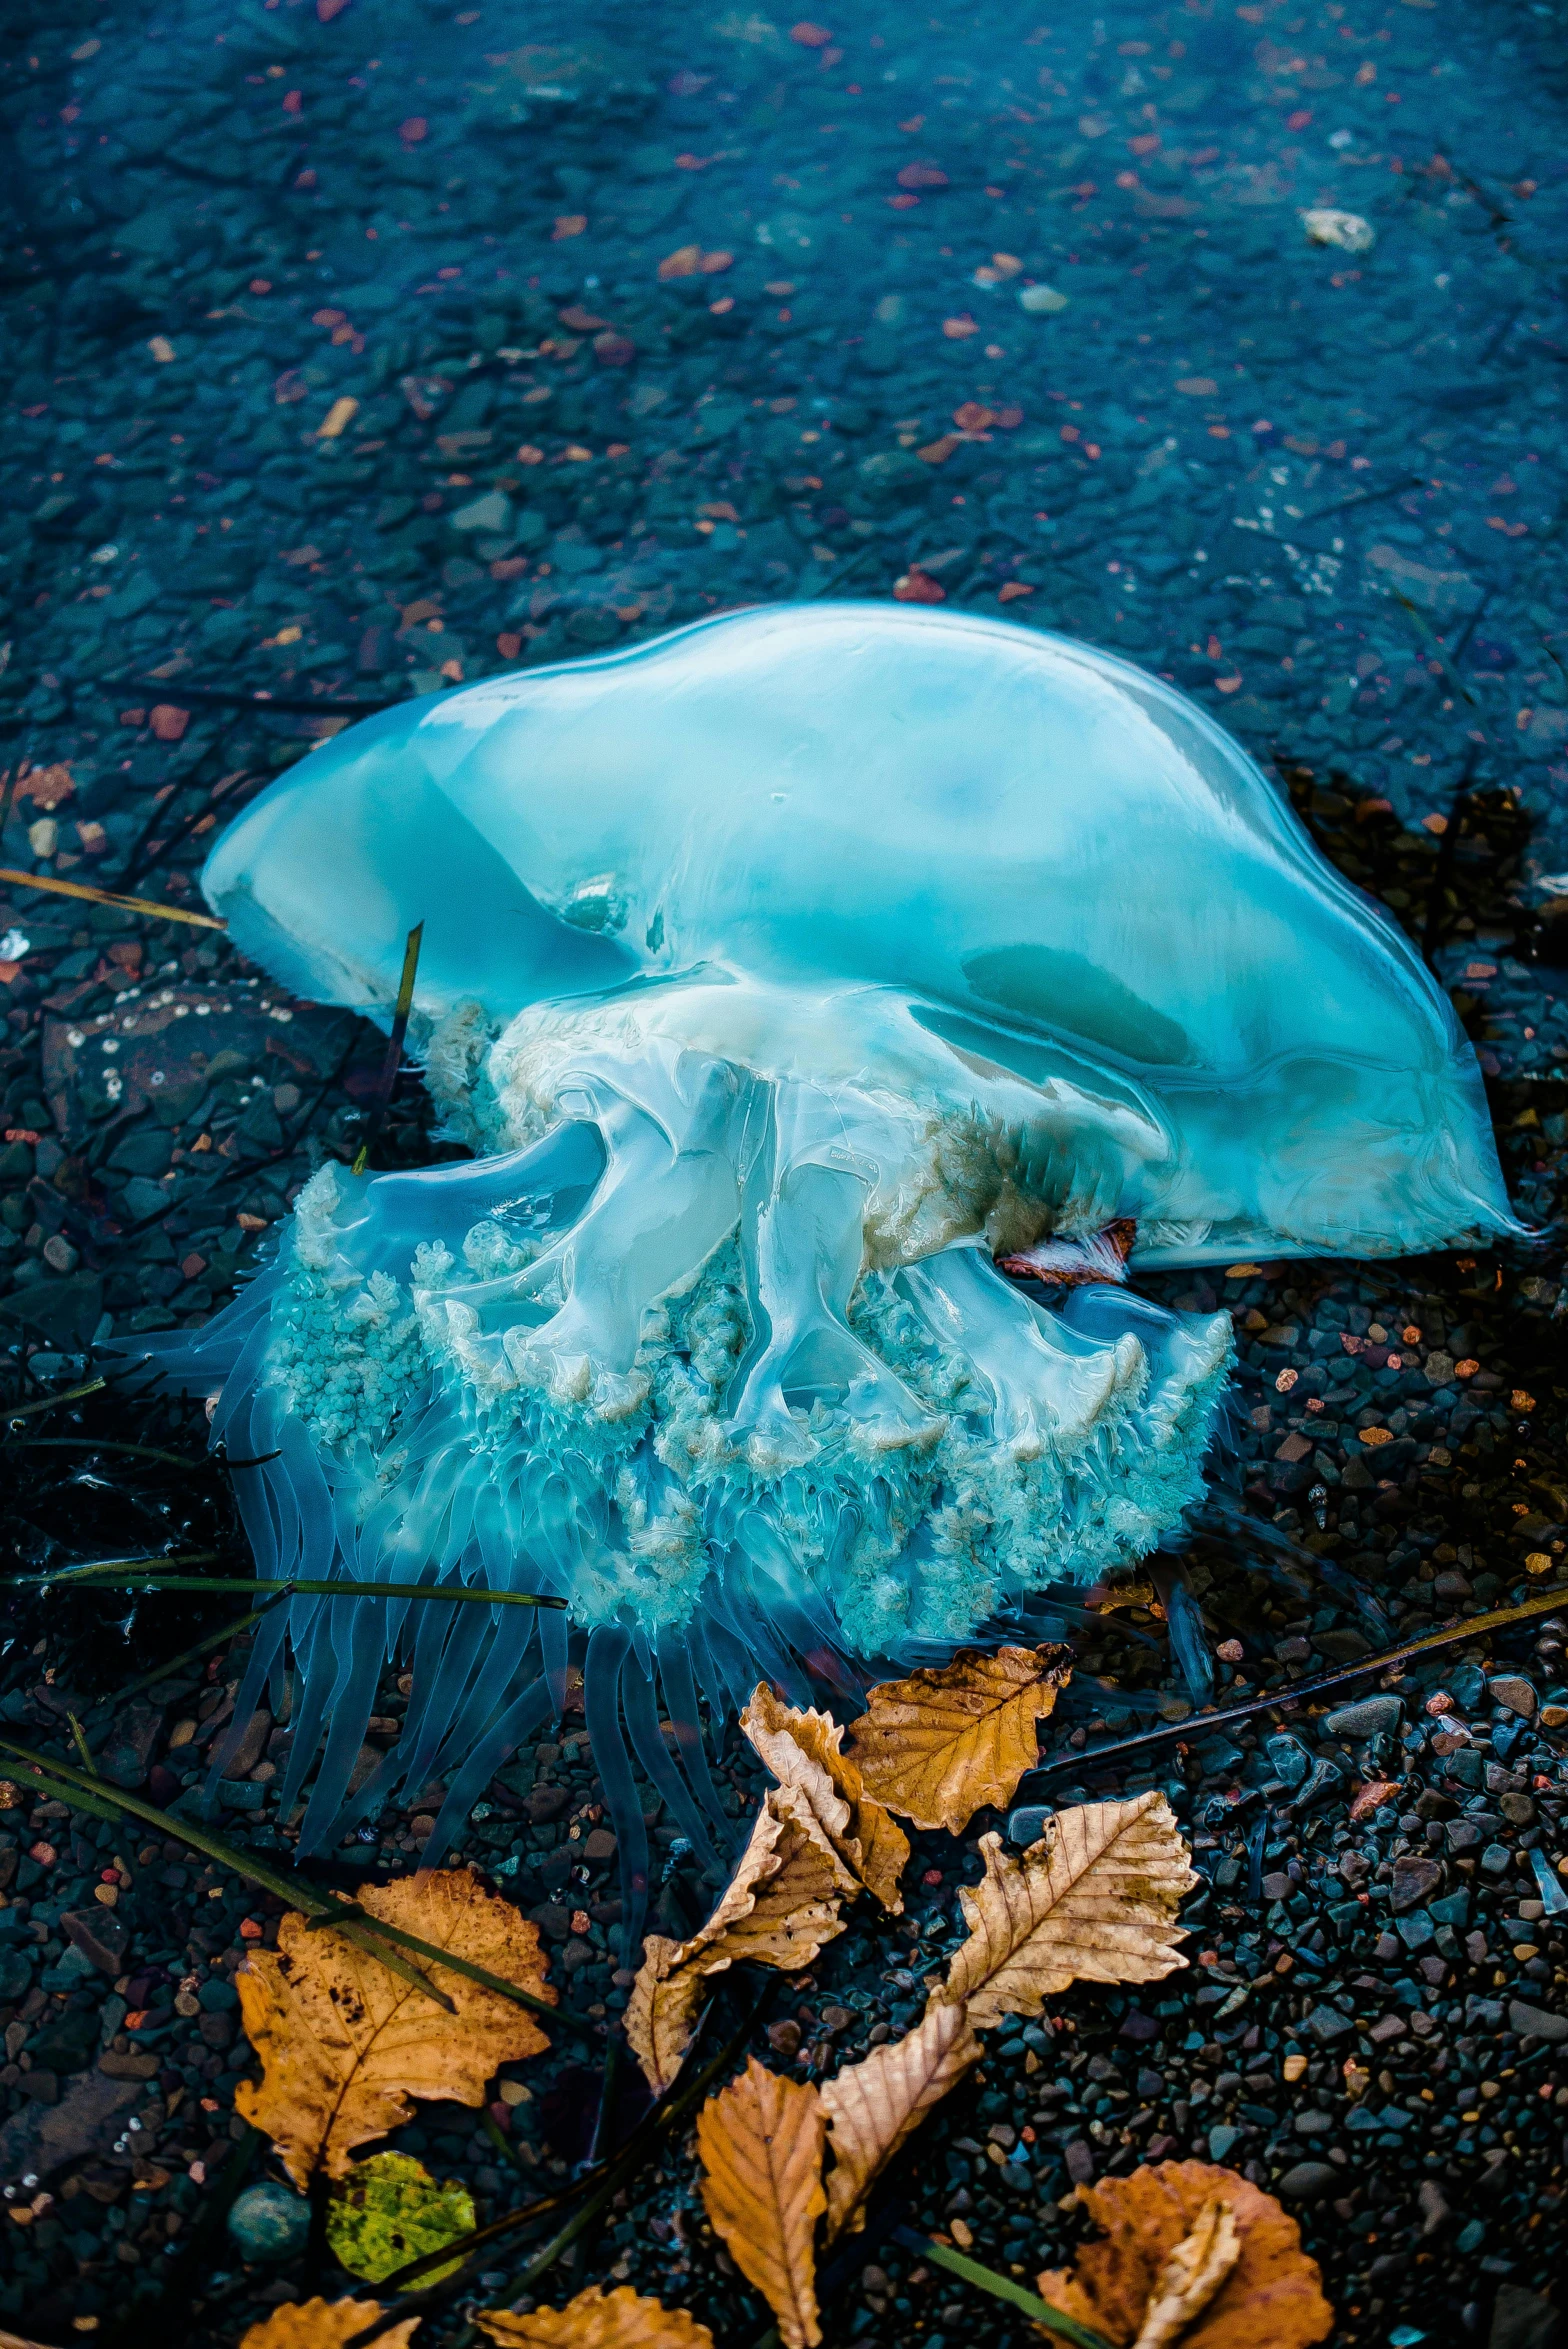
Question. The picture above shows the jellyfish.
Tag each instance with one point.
(838, 1004)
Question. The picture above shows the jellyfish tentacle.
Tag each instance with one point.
(609, 1646)
(642, 1722)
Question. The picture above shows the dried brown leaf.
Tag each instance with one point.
(873, 2106)
(760, 2144)
(597, 2320)
(778, 1909)
(345, 2044)
(1094, 1901)
(1191, 2276)
(325, 2324)
(1272, 2294)
(661, 2013)
(938, 1745)
(803, 1750)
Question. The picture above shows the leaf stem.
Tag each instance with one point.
(53, 1402)
(1090, 1757)
(1003, 2288)
(79, 889)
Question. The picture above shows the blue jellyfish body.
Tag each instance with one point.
(783, 974)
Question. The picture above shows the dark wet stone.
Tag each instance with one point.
(81, 2121)
(1326, 2024)
(1309, 2181)
(1365, 1719)
(1538, 2021)
(1522, 2320)
(127, 1751)
(102, 1936)
(269, 2222)
(1413, 1880)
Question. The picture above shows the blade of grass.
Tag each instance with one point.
(1067, 2328)
(1090, 1757)
(80, 889)
(102, 1444)
(394, 1058)
(71, 1785)
(96, 1577)
(52, 1402)
(108, 1566)
(214, 1639)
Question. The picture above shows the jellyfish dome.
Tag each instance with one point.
(788, 977)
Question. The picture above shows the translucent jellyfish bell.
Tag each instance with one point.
(786, 973)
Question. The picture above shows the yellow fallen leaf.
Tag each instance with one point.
(345, 2044)
(1191, 2276)
(760, 2145)
(1154, 2223)
(941, 1743)
(597, 2320)
(1094, 1901)
(778, 1909)
(803, 1750)
(325, 2324)
(873, 2106)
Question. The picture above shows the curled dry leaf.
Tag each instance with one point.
(345, 2045)
(1094, 1901)
(1157, 2221)
(325, 2324)
(597, 2320)
(778, 1909)
(938, 1745)
(802, 1749)
(1191, 2276)
(760, 2144)
(873, 2106)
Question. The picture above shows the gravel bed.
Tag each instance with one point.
(343, 366)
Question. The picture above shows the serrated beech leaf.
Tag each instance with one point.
(597, 2320)
(874, 2105)
(939, 1745)
(760, 2144)
(1093, 1901)
(804, 1752)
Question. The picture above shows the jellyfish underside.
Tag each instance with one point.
(716, 1352)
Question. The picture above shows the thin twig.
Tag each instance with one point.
(1198, 1724)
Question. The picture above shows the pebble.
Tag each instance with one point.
(269, 2222)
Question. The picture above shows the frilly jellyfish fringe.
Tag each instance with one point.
(786, 975)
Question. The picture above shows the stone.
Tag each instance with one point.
(491, 514)
(1221, 2139)
(101, 1935)
(1308, 2181)
(1515, 1693)
(1079, 2157)
(599, 1844)
(541, 1804)
(1538, 2021)
(252, 1745)
(1413, 1881)
(1289, 1757)
(46, 2137)
(1327, 2024)
(128, 1750)
(127, 2064)
(1367, 1719)
(1522, 2320)
(269, 2223)
(16, 1975)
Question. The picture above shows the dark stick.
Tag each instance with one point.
(1196, 1724)
(394, 1058)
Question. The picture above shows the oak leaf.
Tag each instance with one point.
(325, 2324)
(1158, 2222)
(760, 2144)
(1093, 1901)
(803, 1750)
(778, 1909)
(345, 2044)
(873, 2106)
(938, 1745)
(597, 2320)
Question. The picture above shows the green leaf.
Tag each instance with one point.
(390, 2211)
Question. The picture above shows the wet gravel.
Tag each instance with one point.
(342, 366)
